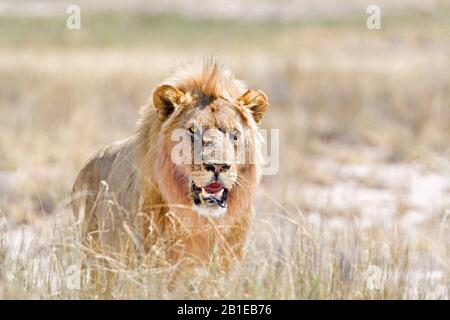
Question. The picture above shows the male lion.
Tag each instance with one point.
(132, 193)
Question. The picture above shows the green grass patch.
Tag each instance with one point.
(114, 29)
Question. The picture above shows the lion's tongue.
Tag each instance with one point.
(213, 188)
(213, 192)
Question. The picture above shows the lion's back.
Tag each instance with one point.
(108, 177)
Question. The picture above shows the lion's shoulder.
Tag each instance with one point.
(112, 167)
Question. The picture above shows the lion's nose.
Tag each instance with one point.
(217, 168)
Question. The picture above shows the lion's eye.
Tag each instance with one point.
(235, 134)
(194, 132)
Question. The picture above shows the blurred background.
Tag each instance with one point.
(364, 119)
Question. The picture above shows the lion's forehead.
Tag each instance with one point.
(209, 117)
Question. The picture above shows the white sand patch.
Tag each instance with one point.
(381, 193)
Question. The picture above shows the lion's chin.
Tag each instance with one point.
(209, 211)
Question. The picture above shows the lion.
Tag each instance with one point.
(132, 194)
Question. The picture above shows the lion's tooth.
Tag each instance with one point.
(206, 194)
(219, 194)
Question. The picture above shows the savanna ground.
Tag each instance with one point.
(361, 203)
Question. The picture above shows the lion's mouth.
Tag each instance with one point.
(213, 194)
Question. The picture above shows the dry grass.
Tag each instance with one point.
(359, 209)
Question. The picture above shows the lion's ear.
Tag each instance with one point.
(256, 101)
(165, 99)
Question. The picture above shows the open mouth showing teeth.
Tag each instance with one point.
(214, 194)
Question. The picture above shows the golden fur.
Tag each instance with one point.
(131, 195)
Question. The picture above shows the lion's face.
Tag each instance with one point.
(214, 132)
(218, 142)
